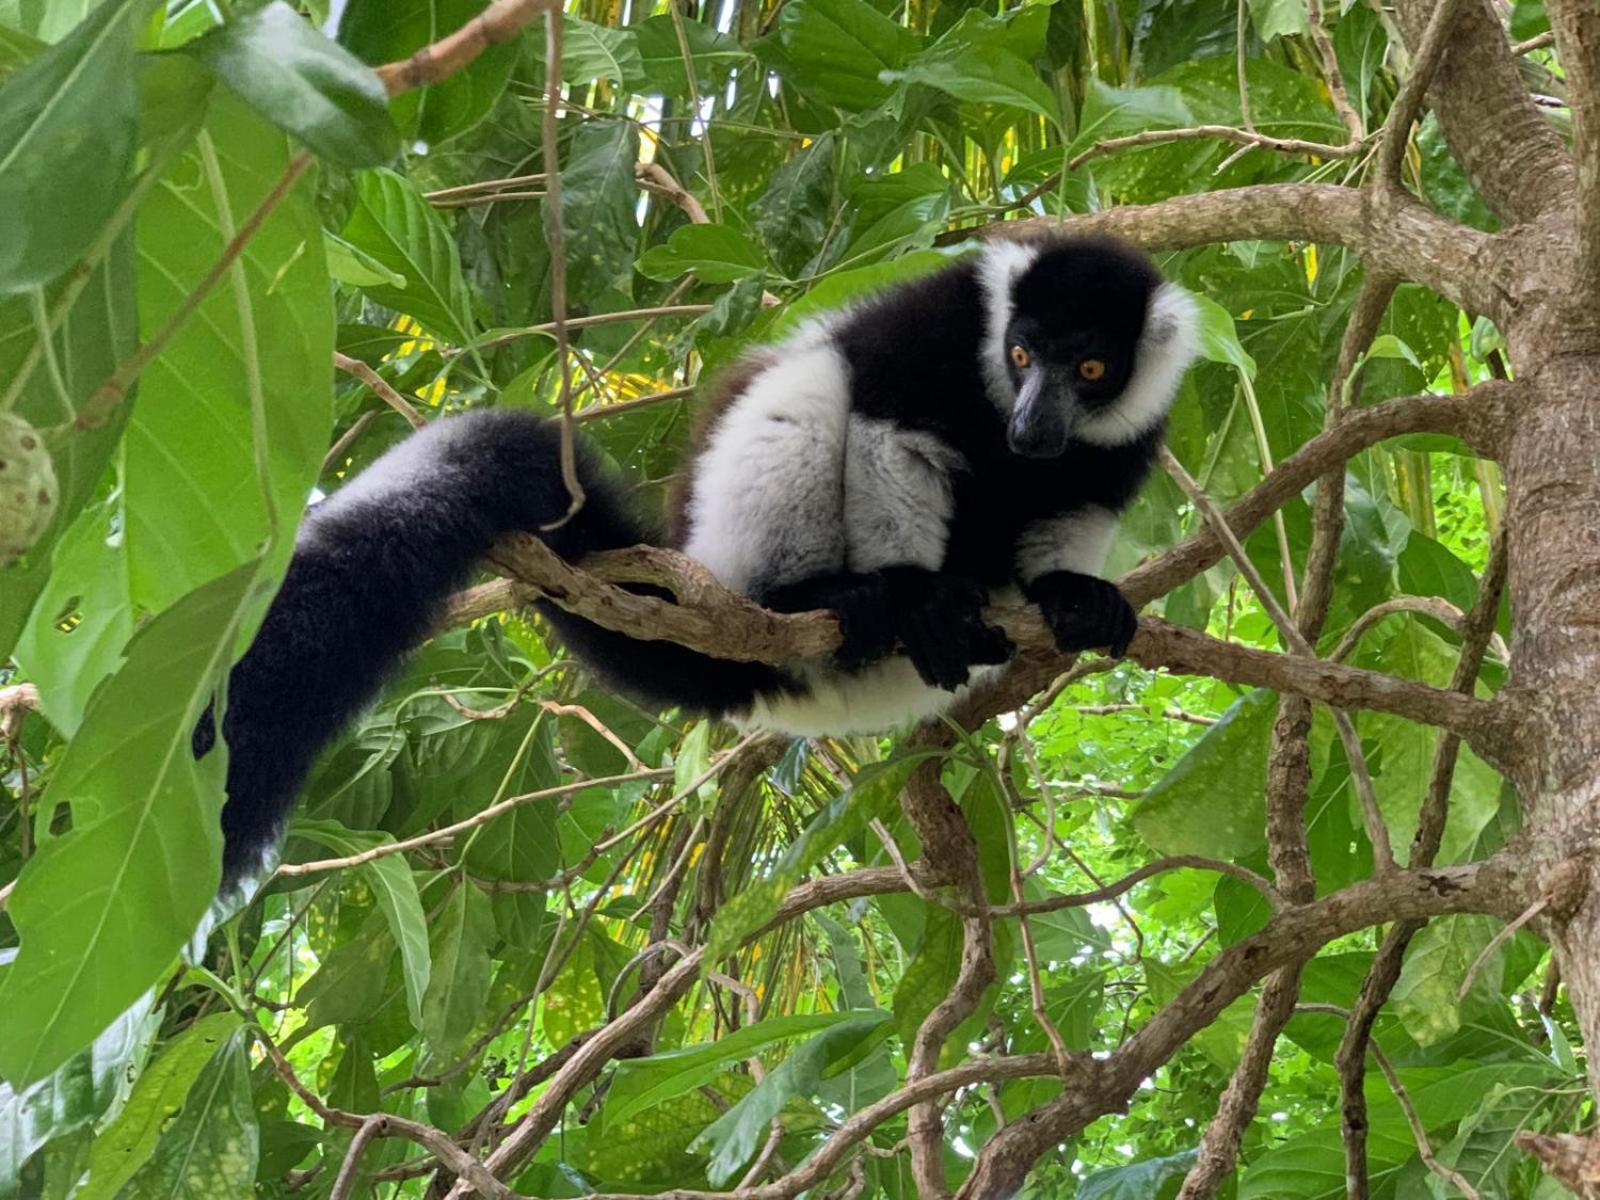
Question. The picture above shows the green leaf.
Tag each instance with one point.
(303, 83)
(210, 1151)
(642, 1083)
(737, 1134)
(394, 226)
(1276, 18)
(83, 1090)
(462, 937)
(869, 797)
(714, 54)
(262, 341)
(983, 74)
(713, 253)
(359, 269)
(68, 123)
(1528, 19)
(161, 1092)
(1311, 1166)
(396, 889)
(590, 51)
(791, 215)
(1213, 801)
(1137, 1180)
(1110, 112)
(598, 201)
(838, 50)
(102, 910)
(385, 31)
(1219, 340)
(1436, 964)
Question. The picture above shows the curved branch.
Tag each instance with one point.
(1488, 887)
(728, 625)
(1397, 235)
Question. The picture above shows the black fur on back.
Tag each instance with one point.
(371, 570)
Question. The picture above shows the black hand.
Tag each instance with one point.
(1084, 613)
(860, 601)
(939, 619)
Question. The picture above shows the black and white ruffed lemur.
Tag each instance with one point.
(974, 431)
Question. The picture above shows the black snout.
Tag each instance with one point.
(1039, 439)
(1041, 422)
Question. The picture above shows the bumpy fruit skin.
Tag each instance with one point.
(28, 490)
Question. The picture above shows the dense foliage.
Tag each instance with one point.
(725, 171)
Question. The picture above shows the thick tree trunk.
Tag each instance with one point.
(1553, 479)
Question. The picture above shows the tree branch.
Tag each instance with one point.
(1508, 149)
(500, 22)
(1400, 237)
(1291, 936)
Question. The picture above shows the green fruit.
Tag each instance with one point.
(28, 491)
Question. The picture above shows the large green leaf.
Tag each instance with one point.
(1311, 1166)
(68, 123)
(1137, 1180)
(661, 68)
(384, 31)
(462, 937)
(210, 1150)
(735, 1136)
(983, 74)
(397, 228)
(102, 910)
(1213, 802)
(128, 1143)
(641, 1083)
(304, 83)
(85, 1089)
(261, 343)
(598, 200)
(713, 253)
(396, 889)
(837, 50)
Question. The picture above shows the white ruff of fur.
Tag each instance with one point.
(1001, 265)
(1165, 350)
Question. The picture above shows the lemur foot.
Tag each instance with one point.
(939, 619)
(1084, 612)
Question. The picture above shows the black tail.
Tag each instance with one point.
(371, 569)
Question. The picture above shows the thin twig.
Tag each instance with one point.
(380, 387)
(483, 185)
(472, 822)
(1246, 138)
(556, 239)
(1331, 74)
(349, 1170)
(1377, 830)
(632, 314)
(500, 22)
(1408, 103)
(1501, 937)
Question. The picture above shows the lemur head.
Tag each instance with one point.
(1083, 341)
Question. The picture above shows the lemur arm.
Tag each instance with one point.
(1058, 563)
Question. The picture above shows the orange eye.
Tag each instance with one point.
(1092, 369)
(1020, 358)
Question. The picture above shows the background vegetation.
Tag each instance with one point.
(208, 207)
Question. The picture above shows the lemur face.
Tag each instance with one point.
(1093, 345)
